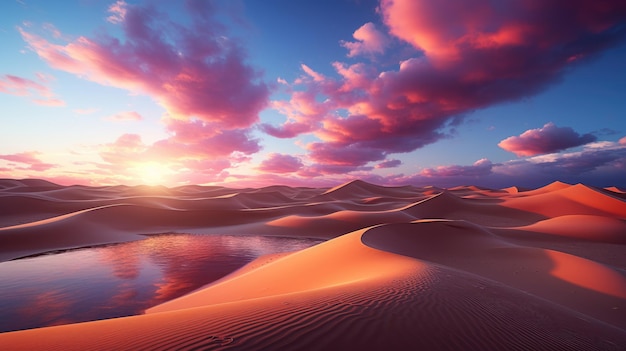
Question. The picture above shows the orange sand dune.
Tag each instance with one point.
(584, 227)
(404, 268)
(570, 200)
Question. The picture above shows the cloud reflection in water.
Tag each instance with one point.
(122, 279)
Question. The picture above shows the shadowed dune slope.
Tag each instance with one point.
(586, 286)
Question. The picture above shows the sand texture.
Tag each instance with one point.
(403, 268)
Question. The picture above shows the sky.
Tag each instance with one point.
(314, 93)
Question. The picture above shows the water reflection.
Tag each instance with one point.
(123, 279)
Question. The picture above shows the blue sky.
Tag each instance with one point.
(249, 93)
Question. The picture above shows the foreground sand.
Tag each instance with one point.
(404, 268)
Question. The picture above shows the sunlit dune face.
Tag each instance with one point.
(152, 173)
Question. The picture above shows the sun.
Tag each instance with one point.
(152, 173)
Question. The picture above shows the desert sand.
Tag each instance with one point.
(402, 268)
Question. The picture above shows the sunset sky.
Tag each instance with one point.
(314, 93)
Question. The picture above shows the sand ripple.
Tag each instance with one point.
(404, 268)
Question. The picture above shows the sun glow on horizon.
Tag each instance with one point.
(152, 173)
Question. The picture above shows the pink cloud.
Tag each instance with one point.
(280, 163)
(49, 102)
(622, 141)
(474, 55)
(126, 149)
(30, 158)
(547, 139)
(356, 76)
(199, 152)
(287, 130)
(56, 33)
(196, 71)
(303, 111)
(193, 71)
(15, 85)
(203, 139)
(369, 40)
(118, 12)
(125, 116)
(450, 30)
(40, 94)
(310, 72)
(349, 156)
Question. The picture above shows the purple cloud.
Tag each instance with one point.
(547, 139)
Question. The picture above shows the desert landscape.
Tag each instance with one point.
(399, 268)
(313, 175)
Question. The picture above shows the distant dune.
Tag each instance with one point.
(403, 268)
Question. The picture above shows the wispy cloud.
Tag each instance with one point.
(125, 116)
(38, 92)
(28, 161)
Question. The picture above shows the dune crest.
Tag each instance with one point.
(402, 267)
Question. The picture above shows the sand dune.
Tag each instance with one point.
(403, 268)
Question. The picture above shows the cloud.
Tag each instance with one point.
(118, 12)
(194, 71)
(599, 164)
(449, 30)
(473, 55)
(280, 163)
(200, 139)
(388, 164)
(128, 148)
(125, 116)
(197, 152)
(369, 41)
(603, 164)
(287, 130)
(480, 168)
(349, 156)
(49, 102)
(30, 158)
(37, 91)
(547, 139)
(304, 113)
